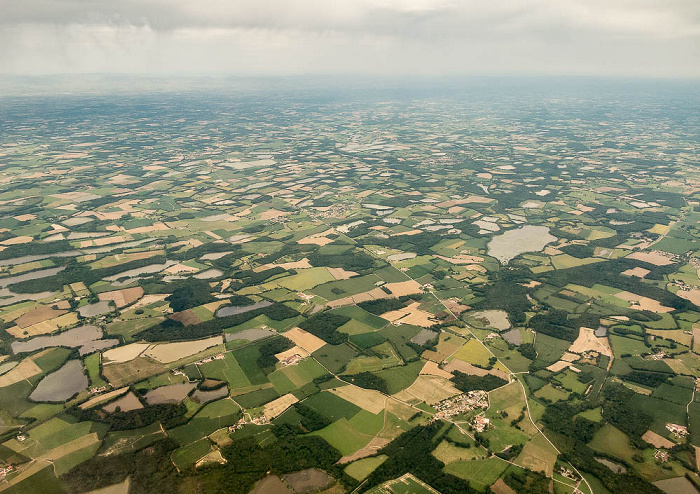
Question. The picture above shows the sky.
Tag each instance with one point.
(631, 38)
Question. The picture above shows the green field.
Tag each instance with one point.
(335, 357)
(186, 456)
(332, 406)
(362, 316)
(227, 369)
(401, 377)
(479, 473)
(360, 469)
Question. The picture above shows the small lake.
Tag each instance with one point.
(63, 384)
(96, 309)
(202, 396)
(424, 336)
(173, 393)
(252, 334)
(310, 480)
(512, 243)
(135, 273)
(208, 274)
(8, 298)
(232, 311)
(612, 465)
(514, 336)
(34, 275)
(678, 485)
(492, 319)
(73, 338)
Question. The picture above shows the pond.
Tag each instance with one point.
(677, 485)
(423, 337)
(612, 465)
(63, 384)
(310, 480)
(208, 274)
(492, 319)
(271, 484)
(232, 310)
(34, 275)
(203, 396)
(514, 336)
(96, 309)
(173, 393)
(512, 243)
(9, 298)
(252, 334)
(77, 337)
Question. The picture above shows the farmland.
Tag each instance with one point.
(390, 294)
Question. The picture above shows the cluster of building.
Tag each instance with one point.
(480, 423)
(465, 402)
(219, 356)
(5, 470)
(291, 360)
(661, 456)
(568, 473)
(678, 430)
(261, 420)
(98, 390)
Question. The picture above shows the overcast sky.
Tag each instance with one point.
(395, 37)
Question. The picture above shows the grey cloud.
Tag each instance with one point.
(652, 37)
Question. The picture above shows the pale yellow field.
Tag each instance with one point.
(462, 259)
(693, 295)
(170, 352)
(212, 457)
(37, 315)
(638, 302)
(341, 274)
(677, 335)
(638, 272)
(587, 340)
(96, 400)
(431, 369)
(408, 287)
(367, 399)
(70, 447)
(430, 389)
(651, 257)
(61, 322)
(305, 340)
(410, 315)
(24, 370)
(315, 240)
(295, 350)
(14, 314)
(148, 300)
(124, 353)
(302, 264)
(180, 268)
(123, 297)
(276, 407)
(120, 488)
(500, 487)
(465, 367)
(538, 455)
(561, 365)
(657, 441)
(374, 294)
